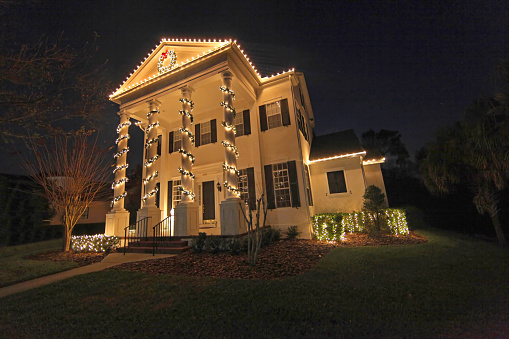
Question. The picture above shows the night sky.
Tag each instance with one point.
(410, 66)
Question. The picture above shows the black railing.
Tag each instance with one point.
(162, 232)
(136, 232)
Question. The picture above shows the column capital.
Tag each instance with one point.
(186, 90)
(124, 112)
(154, 102)
(226, 74)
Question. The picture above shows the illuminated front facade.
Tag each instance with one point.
(218, 136)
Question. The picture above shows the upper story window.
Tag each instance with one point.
(177, 140)
(205, 133)
(337, 182)
(274, 114)
(242, 123)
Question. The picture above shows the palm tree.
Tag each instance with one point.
(475, 152)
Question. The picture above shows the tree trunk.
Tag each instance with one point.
(498, 229)
(67, 238)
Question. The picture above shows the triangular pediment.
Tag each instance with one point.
(169, 56)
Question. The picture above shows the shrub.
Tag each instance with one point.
(212, 244)
(292, 233)
(270, 235)
(374, 202)
(199, 242)
(94, 243)
(235, 246)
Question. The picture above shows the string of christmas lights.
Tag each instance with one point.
(149, 127)
(121, 152)
(119, 182)
(117, 198)
(187, 154)
(120, 138)
(122, 125)
(229, 107)
(184, 172)
(186, 192)
(231, 169)
(232, 187)
(229, 127)
(150, 177)
(151, 160)
(150, 194)
(149, 114)
(232, 147)
(150, 142)
(188, 132)
(118, 168)
(227, 90)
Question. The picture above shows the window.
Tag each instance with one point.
(337, 183)
(281, 185)
(274, 114)
(205, 133)
(177, 193)
(177, 140)
(242, 185)
(239, 125)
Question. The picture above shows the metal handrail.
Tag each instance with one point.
(137, 231)
(162, 231)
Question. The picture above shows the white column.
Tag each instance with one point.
(187, 158)
(151, 150)
(230, 153)
(120, 169)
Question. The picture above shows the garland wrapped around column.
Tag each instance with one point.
(187, 158)
(151, 151)
(121, 159)
(231, 151)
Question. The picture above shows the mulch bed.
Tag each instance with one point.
(280, 260)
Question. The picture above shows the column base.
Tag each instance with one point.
(186, 219)
(116, 222)
(232, 219)
(154, 215)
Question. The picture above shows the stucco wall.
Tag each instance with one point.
(374, 176)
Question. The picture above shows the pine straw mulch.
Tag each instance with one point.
(280, 260)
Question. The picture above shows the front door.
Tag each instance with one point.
(209, 206)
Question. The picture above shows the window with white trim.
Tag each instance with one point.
(242, 185)
(273, 111)
(281, 185)
(177, 193)
(238, 122)
(205, 133)
(337, 182)
(177, 140)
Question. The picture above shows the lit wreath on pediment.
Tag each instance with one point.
(172, 55)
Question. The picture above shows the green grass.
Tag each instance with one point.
(17, 269)
(450, 286)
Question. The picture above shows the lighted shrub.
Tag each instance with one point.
(328, 226)
(94, 243)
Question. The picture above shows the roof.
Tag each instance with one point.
(336, 145)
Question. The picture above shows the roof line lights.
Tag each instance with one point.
(224, 43)
(373, 161)
(338, 157)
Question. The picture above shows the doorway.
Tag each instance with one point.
(208, 202)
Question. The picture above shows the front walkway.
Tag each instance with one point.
(112, 259)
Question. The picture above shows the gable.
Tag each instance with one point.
(169, 56)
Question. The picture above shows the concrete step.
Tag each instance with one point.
(159, 250)
(168, 243)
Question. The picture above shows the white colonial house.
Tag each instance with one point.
(218, 136)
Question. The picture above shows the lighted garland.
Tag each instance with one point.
(119, 182)
(173, 61)
(188, 114)
(186, 192)
(122, 125)
(227, 90)
(184, 172)
(117, 198)
(188, 132)
(151, 160)
(231, 169)
(151, 141)
(121, 152)
(149, 114)
(150, 177)
(150, 194)
(229, 107)
(149, 127)
(187, 101)
(234, 148)
(119, 139)
(229, 127)
(187, 154)
(231, 188)
(118, 168)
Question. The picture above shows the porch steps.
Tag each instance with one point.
(163, 247)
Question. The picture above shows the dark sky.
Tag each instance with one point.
(410, 66)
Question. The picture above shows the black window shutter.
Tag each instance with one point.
(247, 122)
(158, 194)
(285, 112)
(213, 131)
(197, 135)
(159, 144)
(269, 187)
(263, 118)
(294, 183)
(169, 200)
(170, 142)
(251, 188)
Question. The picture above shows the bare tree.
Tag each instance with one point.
(254, 231)
(71, 173)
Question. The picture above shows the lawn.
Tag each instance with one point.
(15, 268)
(449, 286)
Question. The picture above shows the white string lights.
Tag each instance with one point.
(230, 131)
(187, 158)
(121, 152)
(150, 161)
